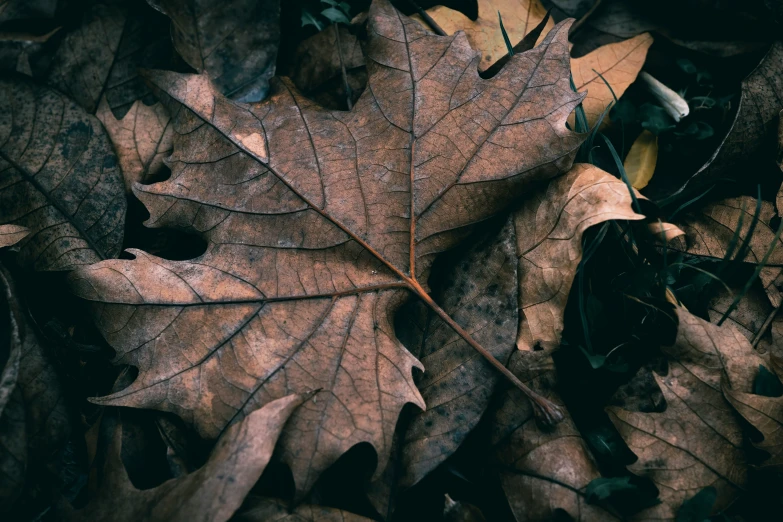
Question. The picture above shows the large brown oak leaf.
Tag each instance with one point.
(319, 225)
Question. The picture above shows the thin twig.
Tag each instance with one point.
(545, 410)
(579, 23)
(757, 336)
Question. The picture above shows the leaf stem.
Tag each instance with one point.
(545, 410)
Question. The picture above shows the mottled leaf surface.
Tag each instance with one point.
(697, 442)
(319, 224)
(542, 471)
(710, 230)
(234, 42)
(59, 177)
(210, 494)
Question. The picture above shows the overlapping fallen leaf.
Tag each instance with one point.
(320, 223)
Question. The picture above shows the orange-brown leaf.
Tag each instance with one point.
(319, 224)
(210, 494)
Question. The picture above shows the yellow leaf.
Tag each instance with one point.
(640, 162)
(519, 18)
(619, 63)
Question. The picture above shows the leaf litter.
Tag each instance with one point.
(460, 266)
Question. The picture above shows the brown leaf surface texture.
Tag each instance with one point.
(317, 70)
(542, 471)
(619, 64)
(458, 383)
(143, 138)
(697, 441)
(766, 415)
(233, 41)
(101, 55)
(317, 223)
(257, 509)
(210, 494)
(519, 18)
(522, 275)
(58, 177)
(709, 232)
(12, 234)
(751, 135)
(549, 231)
(34, 421)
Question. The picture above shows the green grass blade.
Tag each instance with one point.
(755, 275)
(689, 203)
(743, 251)
(509, 47)
(619, 163)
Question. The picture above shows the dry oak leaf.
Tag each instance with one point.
(35, 423)
(697, 441)
(518, 280)
(210, 494)
(143, 138)
(100, 56)
(458, 383)
(12, 234)
(519, 18)
(317, 68)
(549, 230)
(23, 9)
(619, 64)
(766, 415)
(710, 230)
(257, 509)
(779, 197)
(542, 471)
(58, 177)
(751, 136)
(319, 224)
(234, 41)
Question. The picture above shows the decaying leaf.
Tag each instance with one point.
(751, 135)
(491, 286)
(458, 383)
(664, 232)
(18, 49)
(320, 60)
(457, 511)
(12, 234)
(710, 231)
(542, 471)
(101, 55)
(640, 162)
(257, 509)
(234, 42)
(59, 178)
(319, 224)
(142, 139)
(519, 18)
(34, 421)
(779, 198)
(212, 493)
(766, 415)
(26, 9)
(619, 64)
(697, 441)
(549, 232)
